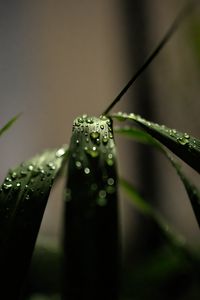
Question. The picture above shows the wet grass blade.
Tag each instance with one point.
(182, 144)
(9, 124)
(23, 198)
(191, 189)
(91, 217)
(135, 133)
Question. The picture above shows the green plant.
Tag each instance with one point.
(91, 256)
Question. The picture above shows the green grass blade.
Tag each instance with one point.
(9, 124)
(191, 189)
(148, 210)
(23, 198)
(135, 133)
(91, 222)
(182, 144)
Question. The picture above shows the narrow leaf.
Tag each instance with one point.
(23, 198)
(182, 144)
(91, 217)
(135, 133)
(147, 209)
(191, 189)
(9, 124)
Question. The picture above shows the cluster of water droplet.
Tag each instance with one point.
(94, 136)
(92, 148)
(181, 138)
(27, 176)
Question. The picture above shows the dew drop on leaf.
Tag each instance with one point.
(60, 152)
(101, 201)
(183, 141)
(94, 135)
(110, 181)
(78, 165)
(51, 166)
(23, 173)
(30, 167)
(8, 179)
(105, 140)
(7, 186)
(86, 171)
(14, 175)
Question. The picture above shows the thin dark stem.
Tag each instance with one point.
(182, 14)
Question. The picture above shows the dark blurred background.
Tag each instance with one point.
(60, 59)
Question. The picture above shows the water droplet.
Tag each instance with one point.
(27, 197)
(94, 135)
(110, 181)
(18, 184)
(97, 141)
(120, 116)
(110, 162)
(78, 165)
(77, 142)
(7, 186)
(102, 127)
(105, 140)
(30, 167)
(8, 179)
(23, 173)
(102, 194)
(93, 152)
(60, 152)
(80, 120)
(132, 115)
(51, 166)
(110, 189)
(14, 175)
(108, 122)
(89, 120)
(186, 135)
(183, 141)
(102, 198)
(86, 171)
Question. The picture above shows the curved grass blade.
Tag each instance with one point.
(147, 209)
(176, 240)
(191, 189)
(23, 198)
(9, 124)
(135, 133)
(182, 144)
(91, 234)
